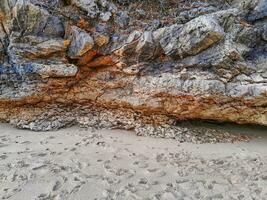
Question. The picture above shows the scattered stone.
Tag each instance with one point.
(105, 16)
(100, 118)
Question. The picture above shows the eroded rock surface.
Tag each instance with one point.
(192, 60)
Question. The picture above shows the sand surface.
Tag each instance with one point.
(79, 164)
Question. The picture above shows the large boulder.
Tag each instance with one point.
(29, 19)
(29, 48)
(223, 55)
(192, 38)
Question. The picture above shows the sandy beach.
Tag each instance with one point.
(81, 164)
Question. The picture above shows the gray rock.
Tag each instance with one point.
(259, 12)
(188, 15)
(248, 36)
(223, 55)
(46, 121)
(122, 19)
(94, 8)
(194, 37)
(194, 61)
(247, 90)
(81, 42)
(105, 16)
(28, 48)
(246, 6)
(6, 7)
(103, 3)
(264, 33)
(29, 19)
(146, 46)
(55, 70)
(141, 46)
(3, 40)
(1, 52)
(129, 46)
(54, 27)
(51, 4)
(90, 6)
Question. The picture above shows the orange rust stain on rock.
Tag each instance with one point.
(87, 58)
(101, 40)
(2, 16)
(102, 61)
(83, 24)
(66, 43)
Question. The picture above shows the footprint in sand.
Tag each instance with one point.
(111, 180)
(140, 164)
(152, 170)
(73, 149)
(160, 173)
(80, 165)
(39, 167)
(168, 196)
(154, 182)
(43, 142)
(3, 145)
(3, 157)
(143, 181)
(78, 144)
(39, 154)
(56, 186)
(26, 142)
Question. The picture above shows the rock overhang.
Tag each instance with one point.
(190, 69)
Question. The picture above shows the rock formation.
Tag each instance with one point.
(63, 62)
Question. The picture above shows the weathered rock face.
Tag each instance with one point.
(61, 59)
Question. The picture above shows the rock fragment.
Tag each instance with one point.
(81, 42)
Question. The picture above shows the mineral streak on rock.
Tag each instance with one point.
(60, 60)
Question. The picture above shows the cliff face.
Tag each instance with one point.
(155, 61)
